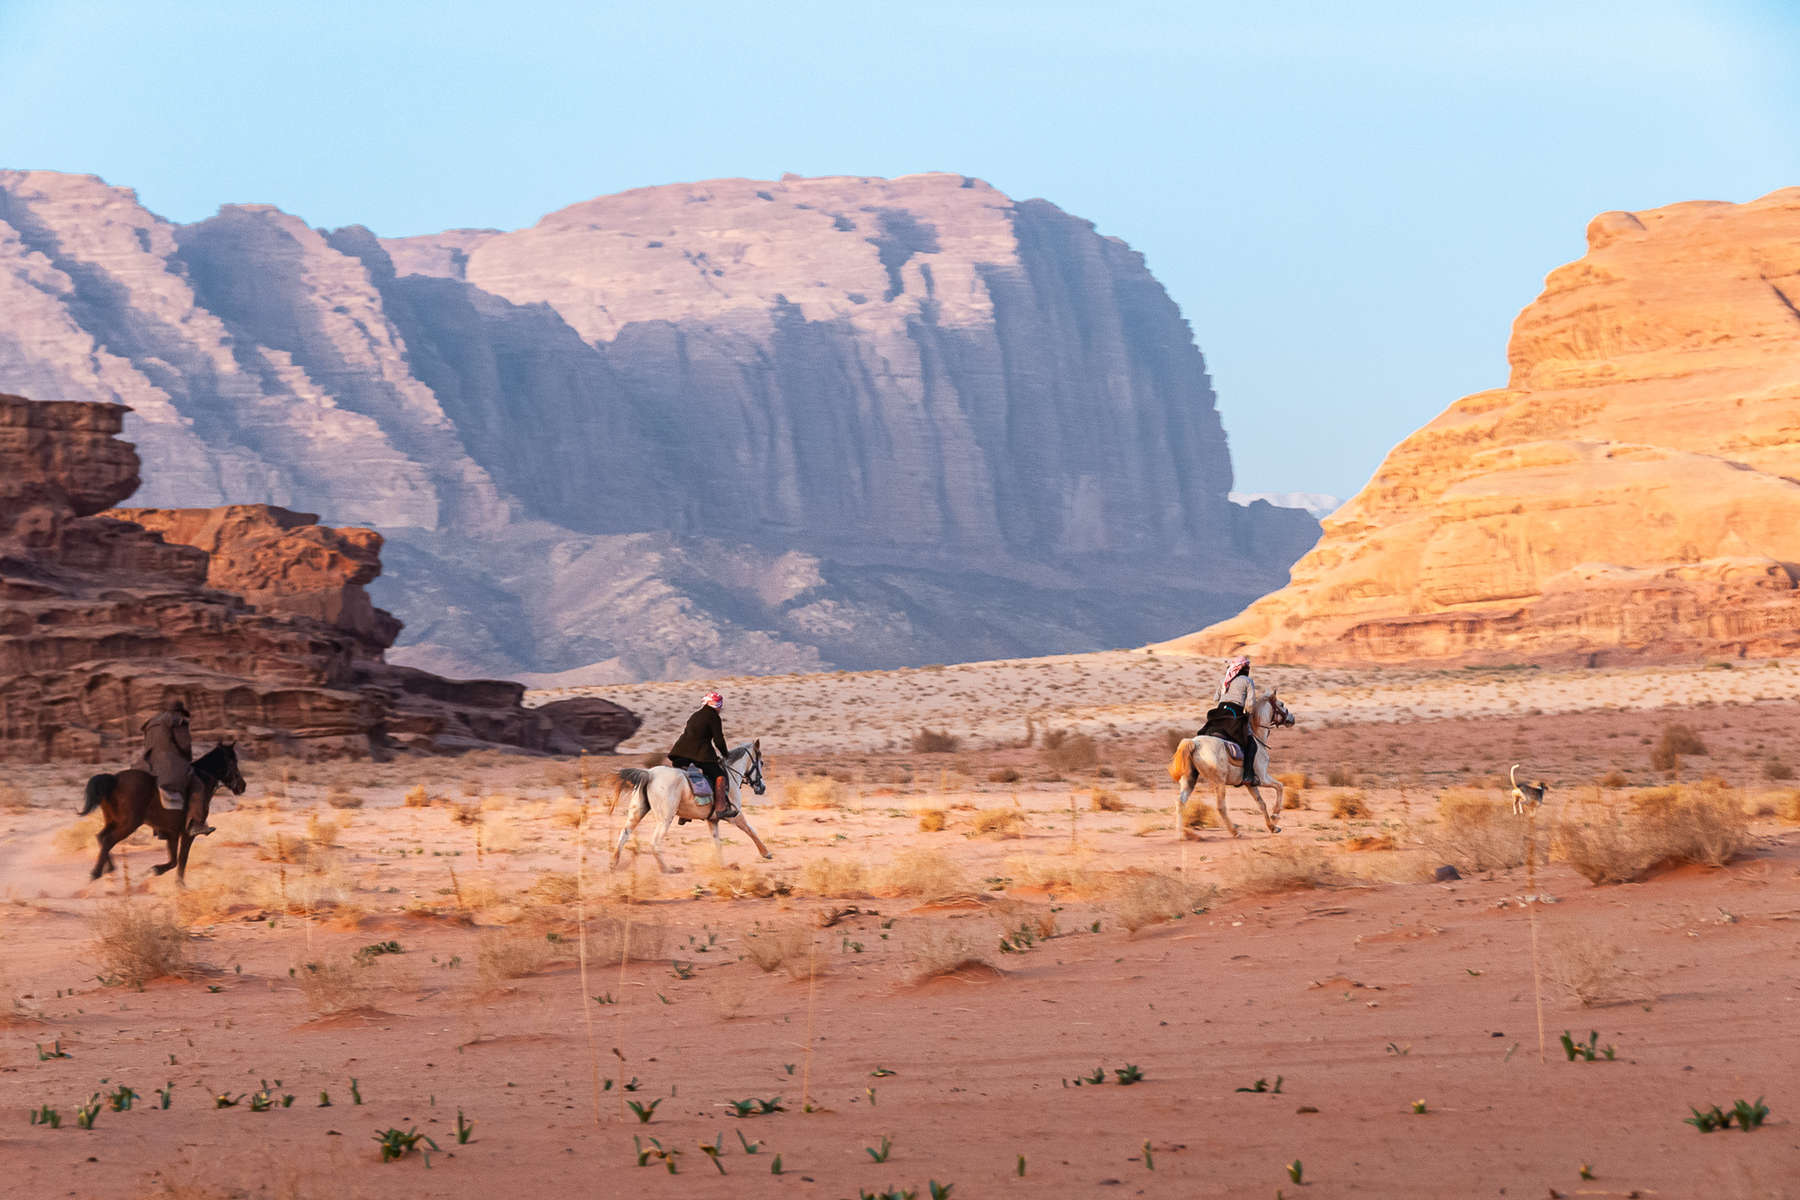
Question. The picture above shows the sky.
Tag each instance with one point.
(1350, 202)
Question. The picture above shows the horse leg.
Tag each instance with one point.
(639, 806)
(1224, 817)
(171, 840)
(661, 831)
(104, 862)
(744, 825)
(187, 843)
(718, 846)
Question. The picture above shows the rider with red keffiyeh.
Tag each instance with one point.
(1237, 696)
(702, 745)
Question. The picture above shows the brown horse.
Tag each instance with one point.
(130, 799)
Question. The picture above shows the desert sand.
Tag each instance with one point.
(416, 927)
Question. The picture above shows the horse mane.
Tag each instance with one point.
(217, 757)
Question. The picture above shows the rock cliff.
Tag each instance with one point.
(1634, 492)
(758, 416)
(255, 616)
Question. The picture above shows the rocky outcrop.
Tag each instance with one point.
(1632, 493)
(103, 618)
(971, 424)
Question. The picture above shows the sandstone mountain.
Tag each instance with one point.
(256, 616)
(1634, 492)
(734, 425)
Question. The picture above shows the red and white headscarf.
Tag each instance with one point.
(714, 700)
(1233, 669)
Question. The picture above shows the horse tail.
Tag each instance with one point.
(1183, 762)
(98, 789)
(633, 779)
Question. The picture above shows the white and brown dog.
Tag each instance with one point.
(1526, 793)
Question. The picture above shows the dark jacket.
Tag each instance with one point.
(168, 748)
(703, 740)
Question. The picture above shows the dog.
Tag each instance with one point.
(1526, 793)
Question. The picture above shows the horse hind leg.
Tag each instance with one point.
(104, 862)
(639, 806)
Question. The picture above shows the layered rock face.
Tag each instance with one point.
(1634, 492)
(759, 416)
(103, 619)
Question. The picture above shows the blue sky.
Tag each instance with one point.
(1350, 202)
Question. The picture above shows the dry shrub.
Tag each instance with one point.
(500, 836)
(1677, 741)
(1667, 827)
(1588, 971)
(321, 831)
(1056, 874)
(630, 887)
(1282, 866)
(1340, 777)
(1101, 800)
(782, 948)
(343, 797)
(417, 797)
(937, 948)
(741, 883)
(335, 986)
(1067, 751)
(14, 797)
(611, 936)
(935, 741)
(555, 887)
(1477, 831)
(1001, 822)
(1198, 814)
(1788, 807)
(816, 792)
(927, 874)
(80, 834)
(932, 820)
(1004, 775)
(513, 954)
(281, 847)
(567, 813)
(466, 814)
(135, 943)
(1614, 778)
(1295, 781)
(1378, 841)
(1140, 898)
(1777, 770)
(834, 877)
(1348, 805)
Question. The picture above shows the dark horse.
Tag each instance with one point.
(129, 799)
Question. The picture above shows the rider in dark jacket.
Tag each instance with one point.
(702, 745)
(169, 755)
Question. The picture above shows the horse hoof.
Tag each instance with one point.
(767, 857)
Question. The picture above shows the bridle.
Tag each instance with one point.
(1282, 718)
(750, 776)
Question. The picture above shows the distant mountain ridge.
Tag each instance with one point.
(725, 426)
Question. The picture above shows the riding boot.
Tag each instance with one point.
(719, 802)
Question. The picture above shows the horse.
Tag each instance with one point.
(130, 799)
(667, 792)
(1207, 756)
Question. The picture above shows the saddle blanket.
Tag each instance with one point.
(697, 780)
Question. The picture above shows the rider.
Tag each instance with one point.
(1237, 695)
(169, 755)
(702, 745)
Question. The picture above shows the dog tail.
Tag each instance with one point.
(1514, 774)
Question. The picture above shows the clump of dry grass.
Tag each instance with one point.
(612, 935)
(342, 797)
(1676, 742)
(79, 834)
(1198, 814)
(1067, 751)
(1588, 971)
(417, 797)
(831, 876)
(1349, 805)
(935, 741)
(555, 887)
(1667, 827)
(1376, 841)
(322, 831)
(1295, 781)
(135, 943)
(937, 948)
(1004, 775)
(1340, 777)
(1057, 874)
(1000, 822)
(292, 848)
(566, 812)
(1477, 831)
(783, 948)
(1787, 807)
(334, 986)
(1282, 866)
(1141, 898)
(500, 835)
(14, 797)
(1614, 778)
(816, 792)
(926, 874)
(1102, 800)
(752, 882)
(513, 954)
(932, 820)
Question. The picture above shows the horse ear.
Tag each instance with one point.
(757, 745)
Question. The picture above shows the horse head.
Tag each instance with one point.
(1279, 715)
(753, 773)
(221, 763)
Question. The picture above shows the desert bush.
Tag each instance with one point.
(322, 831)
(135, 943)
(1281, 866)
(816, 792)
(1140, 898)
(512, 954)
(566, 812)
(1476, 831)
(1001, 822)
(334, 986)
(1004, 775)
(833, 876)
(342, 797)
(1676, 741)
(1101, 800)
(1348, 805)
(937, 948)
(1057, 874)
(926, 874)
(934, 741)
(1374, 841)
(282, 847)
(932, 820)
(80, 835)
(741, 883)
(1340, 777)
(783, 948)
(1774, 768)
(14, 797)
(417, 797)
(1198, 814)
(1295, 781)
(1666, 827)
(1614, 778)
(1067, 751)
(1586, 970)
(555, 887)
(1787, 807)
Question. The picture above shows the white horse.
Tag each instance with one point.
(667, 792)
(1209, 757)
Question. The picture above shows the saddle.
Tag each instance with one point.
(703, 794)
(1222, 724)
